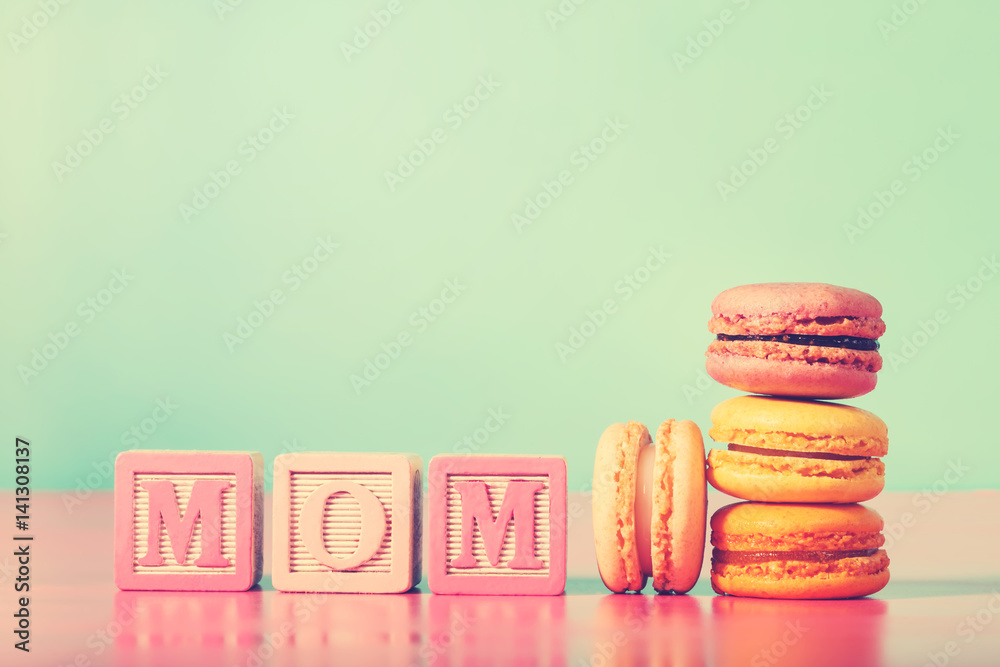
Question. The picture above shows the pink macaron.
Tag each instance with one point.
(810, 340)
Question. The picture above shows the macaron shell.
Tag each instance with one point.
(833, 586)
(789, 378)
(613, 502)
(817, 418)
(780, 521)
(680, 501)
(802, 300)
(799, 426)
(784, 479)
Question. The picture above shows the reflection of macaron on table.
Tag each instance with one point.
(754, 632)
(796, 339)
(649, 506)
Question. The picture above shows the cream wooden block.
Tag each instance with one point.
(346, 523)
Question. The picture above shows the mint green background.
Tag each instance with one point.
(496, 345)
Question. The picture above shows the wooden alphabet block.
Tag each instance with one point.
(497, 525)
(188, 521)
(347, 523)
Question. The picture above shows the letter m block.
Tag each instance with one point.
(497, 525)
(188, 521)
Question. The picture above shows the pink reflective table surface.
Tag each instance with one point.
(941, 607)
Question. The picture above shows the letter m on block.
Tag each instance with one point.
(497, 525)
(188, 520)
(205, 502)
(518, 505)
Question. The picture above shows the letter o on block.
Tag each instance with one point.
(346, 523)
(372, 524)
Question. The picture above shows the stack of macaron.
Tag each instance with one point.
(802, 463)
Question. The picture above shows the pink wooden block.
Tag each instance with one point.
(497, 525)
(346, 523)
(188, 521)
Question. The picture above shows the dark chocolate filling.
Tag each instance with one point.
(802, 455)
(748, 557)
(847, 342)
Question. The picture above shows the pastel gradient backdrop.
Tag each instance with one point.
(888, 82)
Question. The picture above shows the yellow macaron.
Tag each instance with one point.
(798, 551)
(784, 450)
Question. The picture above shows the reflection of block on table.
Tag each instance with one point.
(227, 625)
(509, 630)
(188, 520)
(346, 523)
(497, 525)
(361, 628)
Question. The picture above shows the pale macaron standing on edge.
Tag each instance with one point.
(650, 506)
